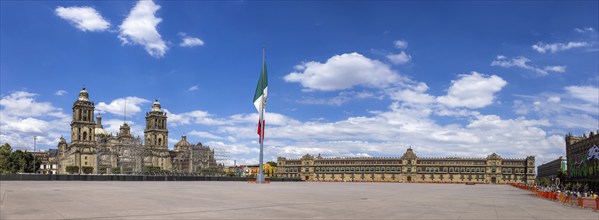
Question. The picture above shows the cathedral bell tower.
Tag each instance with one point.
(83, 134)
(156, 133)
(83, 125)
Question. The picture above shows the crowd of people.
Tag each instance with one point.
(569, 194)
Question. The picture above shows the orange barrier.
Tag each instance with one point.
(254, 181)
(587, 203)
(563, 198)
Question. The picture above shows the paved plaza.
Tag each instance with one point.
(285, 200)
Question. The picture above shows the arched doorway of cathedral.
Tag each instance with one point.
(409, 179)
(493, 180)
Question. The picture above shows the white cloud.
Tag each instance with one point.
(523, 62)
(203, 134)
(342, 98)
(576, 108)
(472, 91)
(23, 104)
(335, 101)
(401, 44)
(22, 117)
(584, 30)
(29, 125)
(60, 92)
(273, 119)
(187, 41)
(83, 18)
(117, 106)
(193, 88)
(140, 28)
(555, 47)
(587, 93)
(554, 99)
(343, 72)
(193, 117)
(414, 95)
(557, 69)
(401, 58)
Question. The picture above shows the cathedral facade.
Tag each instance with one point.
(93, 150)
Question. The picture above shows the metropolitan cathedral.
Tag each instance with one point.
(93, 150)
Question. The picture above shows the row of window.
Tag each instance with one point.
(423, 176)
(419, 169)
(357, 162)
(452, 169)
(452, 162)
(352, 169)
(516, 170)
(400, 162)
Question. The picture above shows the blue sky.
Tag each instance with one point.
(346, 78)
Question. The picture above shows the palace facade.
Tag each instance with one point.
(582, 154)
(93, 150)
(409, 168)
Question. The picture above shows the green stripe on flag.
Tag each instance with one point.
(261, 89)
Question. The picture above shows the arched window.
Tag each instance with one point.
(159, 141)
(84, 135)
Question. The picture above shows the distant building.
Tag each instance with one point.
(253, 170)
(188, 158)
(409, 168)
(552, 169)
(583, 158)
(93, 150)
(49, 161)
(234, 170)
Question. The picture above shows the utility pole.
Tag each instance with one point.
(34, 140)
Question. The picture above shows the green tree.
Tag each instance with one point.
(22, 162)
(72, 169)
(5, 151)
(87, 169)
(272, 164)
(152, 169)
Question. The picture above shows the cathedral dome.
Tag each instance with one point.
(156, 106)
(83, 95)
(183, 144)
(98, 131)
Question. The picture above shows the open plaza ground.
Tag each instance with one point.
(284, 200)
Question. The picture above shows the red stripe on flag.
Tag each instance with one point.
(260, 126)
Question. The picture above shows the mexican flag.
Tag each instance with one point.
(260, 100)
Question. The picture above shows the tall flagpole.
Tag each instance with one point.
(260, 178)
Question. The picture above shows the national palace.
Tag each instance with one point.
(410, 168)
(93, 150)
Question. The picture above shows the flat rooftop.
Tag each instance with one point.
(280, 200)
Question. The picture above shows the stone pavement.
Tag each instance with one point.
(284, 200)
